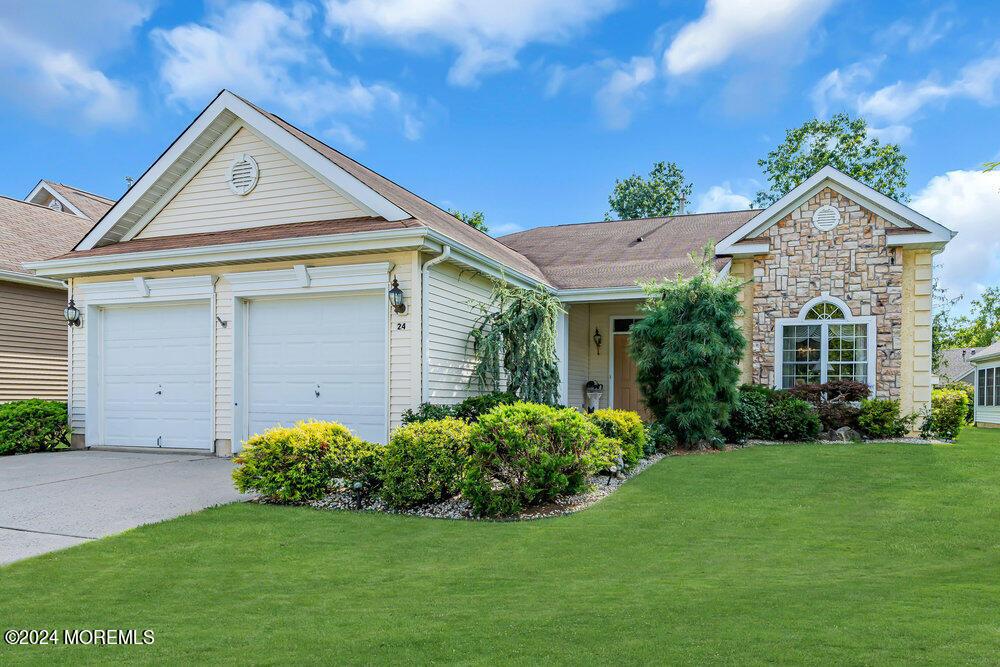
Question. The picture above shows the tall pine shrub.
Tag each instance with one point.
(687, 350)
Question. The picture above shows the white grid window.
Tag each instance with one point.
(824, 344)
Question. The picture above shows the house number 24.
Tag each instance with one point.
(400, 326)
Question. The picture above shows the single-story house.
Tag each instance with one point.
(33, 340)
(987, 401)
(244, 280)
(956, 366)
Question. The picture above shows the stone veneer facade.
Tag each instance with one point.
(850, 262)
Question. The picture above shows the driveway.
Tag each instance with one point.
(56, 500)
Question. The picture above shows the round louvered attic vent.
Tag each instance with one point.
(55, 205)
(826, 218)
(243, 175)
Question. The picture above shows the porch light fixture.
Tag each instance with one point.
(396, 297)
(597, 340)
(72, 314)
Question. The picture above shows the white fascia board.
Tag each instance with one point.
(474, 259)
(888, 208)
(992, 356)
(36, 281)
(332, 244)
(589, 294)
(43, 186)
(270, 130)
(746, 250)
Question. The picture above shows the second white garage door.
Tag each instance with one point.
(318, 358)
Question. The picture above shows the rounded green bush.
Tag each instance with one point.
(880, 418)
(298, 464)
(949, 408)
(625, 426)
(604, 455)
(792, 419)
(424, 461)
(33, 425)
(525, 454)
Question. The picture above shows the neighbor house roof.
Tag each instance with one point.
(30, 232)
(620, 252)
(79, 202)
(986, 353)
(957, 363)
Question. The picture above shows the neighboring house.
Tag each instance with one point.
(244, 280)
(987, 365)
(32, 328)
(956, 365)
(67, 199)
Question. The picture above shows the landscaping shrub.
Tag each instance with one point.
(748, 418)
(625, 426)
(687, 350)
(949, 408)
(525, 454)
(835, 401)
(659, 439)
(298, 464)
(472, 408)
(33, 425)
(790, 418)
(424, 462)
(427, 412)
(970, 394)
(880, 418)
(604, 455)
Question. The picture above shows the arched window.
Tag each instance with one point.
(826, 342)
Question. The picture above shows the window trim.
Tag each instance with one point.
(849, 318)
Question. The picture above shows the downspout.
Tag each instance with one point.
(425, 380)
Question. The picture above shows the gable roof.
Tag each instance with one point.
(915, 228)
(79, 202)
(610, 254)
(372, 192)
(30, 232)
(957, 363)
(987, 353)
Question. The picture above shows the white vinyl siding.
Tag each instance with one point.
(450, 319)
(987, 383)
(404, 343)
(285, 193)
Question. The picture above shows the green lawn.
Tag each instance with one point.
(825, 554)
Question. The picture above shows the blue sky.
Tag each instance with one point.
(525, 109)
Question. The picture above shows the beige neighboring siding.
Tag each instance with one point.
(285, 193)
(32, 342)
(450, 318)
(579, 365)
(404, 342)
(742, 269)
(915, 337)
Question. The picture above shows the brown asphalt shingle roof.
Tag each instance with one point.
(267, 233)
(609, 254)
(30, 232)
(91, 205)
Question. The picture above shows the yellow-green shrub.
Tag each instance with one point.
(424, 462)
(949, 408)
(624, 426)
(300, 463)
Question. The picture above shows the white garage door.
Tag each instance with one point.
(318, 358)
(156, 376)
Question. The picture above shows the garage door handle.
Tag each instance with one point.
(159, 391)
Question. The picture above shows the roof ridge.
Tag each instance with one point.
(85, 193)
(655, 217)
(41, 206)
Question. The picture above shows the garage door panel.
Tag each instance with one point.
(331, 345)
(156, 376)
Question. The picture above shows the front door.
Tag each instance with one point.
(626, 390)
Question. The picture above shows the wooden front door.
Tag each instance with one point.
(626, 392)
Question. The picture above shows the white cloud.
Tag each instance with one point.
(487, 35)
(504, 228)
(977, 81)
(840, 86)
(967, 202)
(622, 92)
(266, 53)
(920, 36)
(891, 134)
(722, 198)
(744, 27)
(49, 55)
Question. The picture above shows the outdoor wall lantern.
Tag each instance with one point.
(72, 314)
(396, 297)
(597, 340)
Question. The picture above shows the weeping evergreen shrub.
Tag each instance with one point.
(515, 335)
(687, 351)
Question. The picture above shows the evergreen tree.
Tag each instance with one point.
(687, 350)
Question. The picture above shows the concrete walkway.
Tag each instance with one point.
(56, 500)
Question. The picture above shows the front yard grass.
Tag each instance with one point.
(823, 554)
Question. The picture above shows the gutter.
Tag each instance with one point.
(26, 279)
(425, 380)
